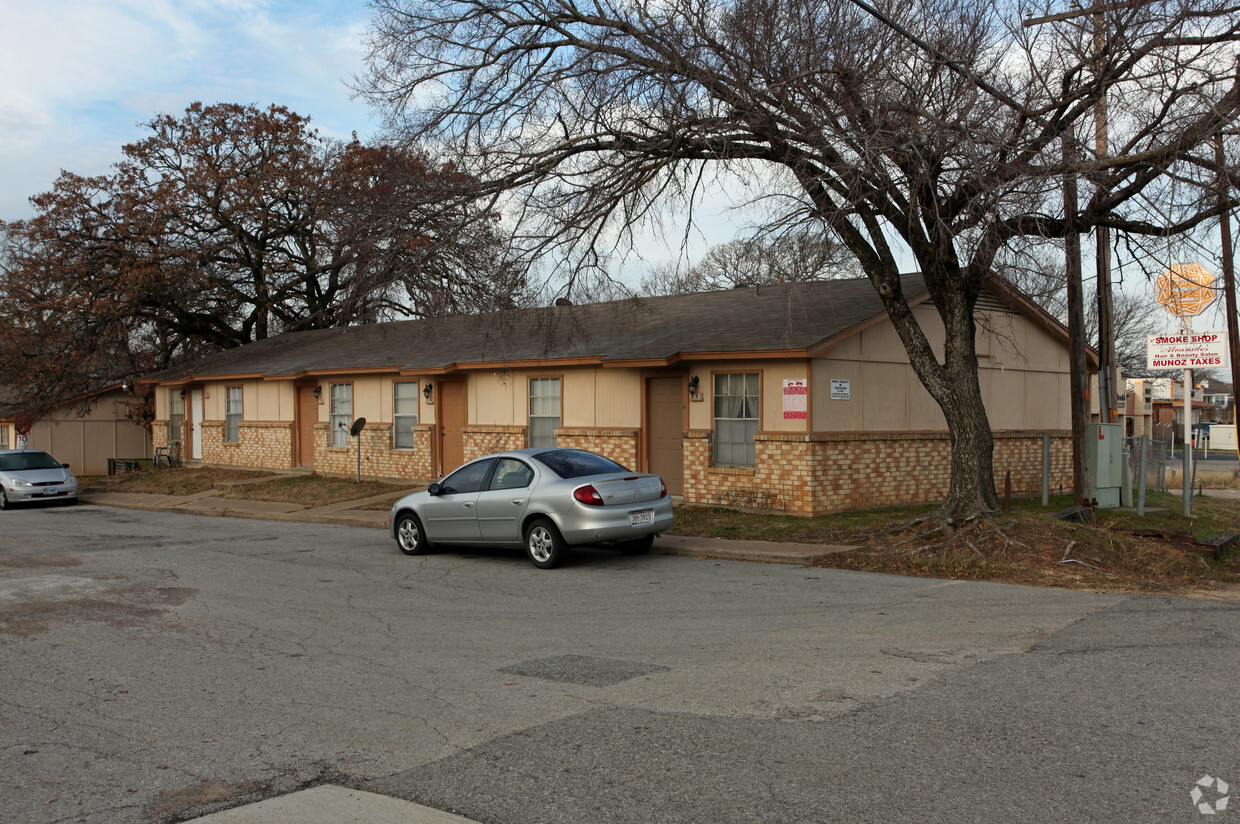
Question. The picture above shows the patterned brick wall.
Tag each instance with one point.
(379, 459)
(261, 444)
(815, 473)
(484, 439)
(618, 444)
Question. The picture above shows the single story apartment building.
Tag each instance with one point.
(83, 432)
(797, 398)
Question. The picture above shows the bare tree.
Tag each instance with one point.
(795, 257)
(931, 128)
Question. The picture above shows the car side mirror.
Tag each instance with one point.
(434, 489)
(65, 466)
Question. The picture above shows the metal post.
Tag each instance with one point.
(1145, 448)
(1046, 470)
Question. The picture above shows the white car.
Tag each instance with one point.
(544, 500)
(33, 475)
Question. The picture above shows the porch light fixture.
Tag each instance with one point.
(694, 383)
(182, 394)
(426, 392)
(318, 392)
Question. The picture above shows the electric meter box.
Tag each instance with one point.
(1106, 462)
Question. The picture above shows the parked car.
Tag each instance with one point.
(34, 475)
(544, 500)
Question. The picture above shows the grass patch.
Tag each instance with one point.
(181, 481)
(312, 490)
(1023, 546)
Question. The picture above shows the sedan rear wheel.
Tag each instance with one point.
(544, 544)
(4, 499)
(409, 535)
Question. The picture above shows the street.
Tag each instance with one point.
(158, 667)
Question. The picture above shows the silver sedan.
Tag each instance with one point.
(34, 475)
(544, 500)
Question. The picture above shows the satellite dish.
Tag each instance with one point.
(356, 428)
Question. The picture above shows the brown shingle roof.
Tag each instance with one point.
(775, 319)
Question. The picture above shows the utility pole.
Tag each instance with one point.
(1108, 394)
(1078, 371)
(1229, 272)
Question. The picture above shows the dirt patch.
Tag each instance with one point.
(40, 561)
(180, 481)
(207, 797)
(312, 490)
(126, 608)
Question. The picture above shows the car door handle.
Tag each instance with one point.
(518, 501)
(469, 504)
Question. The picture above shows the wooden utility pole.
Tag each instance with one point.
(1229, 277)
(1108, 393)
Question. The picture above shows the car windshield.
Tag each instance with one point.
(27, 460)
(572, 463)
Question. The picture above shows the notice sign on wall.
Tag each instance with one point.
(1186, 350)
(796, 400)
(841, 390)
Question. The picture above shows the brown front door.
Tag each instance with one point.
(665, 421)
(307, 417)
(452, 421)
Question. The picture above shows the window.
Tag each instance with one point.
(4, 436)
(544, 411)
(469, 478)
(176, 416)
(341, 414)
(736, 419)
(404, 414)
(511, 474)
(232, 414)
(575, 463)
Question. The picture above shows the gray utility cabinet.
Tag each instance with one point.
(1106, 462)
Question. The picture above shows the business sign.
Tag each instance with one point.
(796, 400)
(1186, 350)
(841, 390)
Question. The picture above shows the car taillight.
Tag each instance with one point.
(588, 495)
(662, 489)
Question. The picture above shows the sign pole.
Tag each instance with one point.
(1186, 324)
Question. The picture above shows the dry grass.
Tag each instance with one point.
(182, 481)
(1024, 546)
(312, 490)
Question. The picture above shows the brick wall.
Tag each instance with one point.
(260, 444)
(618, 444)
(814, 473)
(484, 439)
(379, 459)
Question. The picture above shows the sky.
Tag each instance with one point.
(80, 77)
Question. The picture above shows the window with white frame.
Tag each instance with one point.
(404, 413)
(232, 414)
(176, 415)
(4, 436)
(544, 411)
(737, 416)
(341, 413)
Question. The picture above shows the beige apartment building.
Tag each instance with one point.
(797, 398)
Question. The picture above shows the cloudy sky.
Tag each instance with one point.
(81, 75)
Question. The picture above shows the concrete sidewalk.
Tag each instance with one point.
(373, 512)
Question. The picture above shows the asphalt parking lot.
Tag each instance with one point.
(162, 666)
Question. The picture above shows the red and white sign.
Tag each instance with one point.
(1186, 350)
(796, 400)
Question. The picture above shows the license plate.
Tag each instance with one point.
(643, 518)
(51, 490)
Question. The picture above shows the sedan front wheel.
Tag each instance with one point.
(410, 536)
(544, 544)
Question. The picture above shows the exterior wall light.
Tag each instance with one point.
(427, 392)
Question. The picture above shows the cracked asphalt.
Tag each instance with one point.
(157, 667)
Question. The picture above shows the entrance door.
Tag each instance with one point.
(665, 423)
(195, 424)
(307, 417)
(451, 422)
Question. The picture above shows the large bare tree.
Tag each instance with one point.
(932, 129)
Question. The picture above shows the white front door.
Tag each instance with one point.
(195, 424)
